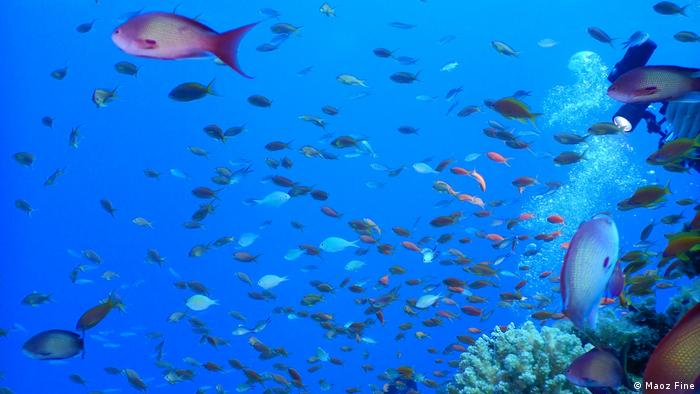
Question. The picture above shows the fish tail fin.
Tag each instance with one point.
(225, 47)
(624, 301)
(682, 12)
(210, 87)
(696, 81)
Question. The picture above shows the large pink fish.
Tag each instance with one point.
(163, 35)
(588, 268)
(655, 83)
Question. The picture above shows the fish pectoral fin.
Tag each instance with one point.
(147, 43)
(647, 91)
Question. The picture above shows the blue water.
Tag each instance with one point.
(143, 128)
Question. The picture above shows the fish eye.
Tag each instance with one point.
(117, 31)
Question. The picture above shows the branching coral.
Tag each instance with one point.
(520, 360)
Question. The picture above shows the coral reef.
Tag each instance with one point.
(686, 298)
(520, 360)
(641, 328)
(525, 360)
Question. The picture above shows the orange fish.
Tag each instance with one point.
(459, 171)
(494, 237)
(471, 310)
(498, 158)
(471, 199)
(410, 246)
(545, 274)
(526, 216)
(676, 359)
(368, 239)
(456, 289)
(449, 301)
(522, 182)
(328, 211)
(384, 280)
(479, 179)
(380, 316)
(447, 315)
(482, 213)
(555, 219)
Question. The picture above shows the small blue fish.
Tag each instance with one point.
(447, 39)
(270, 13)
(407, 60)
(636, 39)
(266, 47)
(452, 107)
(304, 71)
(402, 25)
(452, 93)
(279, 38)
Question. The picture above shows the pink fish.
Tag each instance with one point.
(655, 83)
(588, 267)
(597, 369)
(616, 284)
(162, 35)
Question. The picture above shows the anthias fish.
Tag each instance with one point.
(162, 35)
(655, 83)
(588, 266)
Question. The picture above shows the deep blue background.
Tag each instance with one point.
(143, 128)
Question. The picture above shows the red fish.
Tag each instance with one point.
(459, 171)
(655, 83)
(555, 219)
(676, 359)
(162, 35)
(471, 310)
(498, 158)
